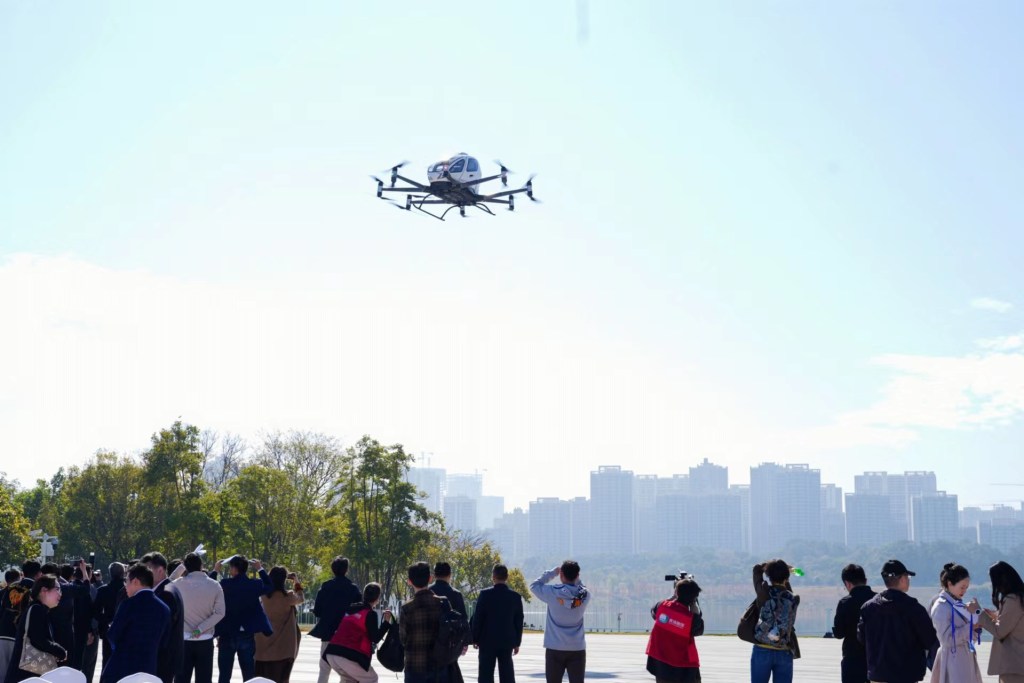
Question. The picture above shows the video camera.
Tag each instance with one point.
(679, 576)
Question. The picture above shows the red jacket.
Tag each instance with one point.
(352, 634)
(671, 638)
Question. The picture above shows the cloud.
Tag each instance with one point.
(985, 303)
(974, 391)
(1010, 342)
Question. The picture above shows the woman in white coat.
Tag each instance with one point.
(957, 625)
(1007, 624)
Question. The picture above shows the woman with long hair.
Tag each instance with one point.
(35, 625)
(956, 625)
(350, 649)
(276, 653)
(1006, 624)
(671, 649)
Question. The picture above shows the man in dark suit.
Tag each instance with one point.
(139, 630)
(497, 628)
(333, 599)
(243, 618)
(170, 657)
(442, 588)
(106, 604)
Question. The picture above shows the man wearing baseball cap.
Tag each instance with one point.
(896, 630)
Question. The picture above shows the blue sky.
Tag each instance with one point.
(771, 231)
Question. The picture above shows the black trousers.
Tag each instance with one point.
(854, 670)
(558, 662)
(487, 659)
(196, 655)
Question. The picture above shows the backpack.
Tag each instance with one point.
(775, 619)
(390, 653)
(17, 596)
(453, 634)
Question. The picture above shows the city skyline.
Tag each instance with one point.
(759, 240)
(628, 513)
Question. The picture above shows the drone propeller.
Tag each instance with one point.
(394, 172)
(504, 172)
(529, 188)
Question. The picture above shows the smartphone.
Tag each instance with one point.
(92, 560)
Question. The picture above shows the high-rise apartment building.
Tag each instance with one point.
(707, 478)
(645, 498)
(869, 521)
(511, 535)
(489, 509)
(901, 489)
(611, 510)
(550, 524)
(460, 514)
(685, 522)
(785, 505)
(429, 482)
(833, 520)
(935, 517)
(469, 485)
(581, 541)
(742, 492)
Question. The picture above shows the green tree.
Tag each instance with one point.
(104, 509)
(472, 558)
(15, 544)
(41, 504)
(387, 528)
(175, 485)
(517, 582)
(267, 519)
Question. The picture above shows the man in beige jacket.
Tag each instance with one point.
(204, 608)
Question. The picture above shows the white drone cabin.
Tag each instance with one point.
(461, 168)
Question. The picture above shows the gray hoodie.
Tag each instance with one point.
(563, 627)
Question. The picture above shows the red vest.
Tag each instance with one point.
(352, 634)
(671, 638)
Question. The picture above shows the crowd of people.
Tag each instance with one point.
(168, 619)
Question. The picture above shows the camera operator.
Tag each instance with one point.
(671, 649)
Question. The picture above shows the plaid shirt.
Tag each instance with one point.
(417, 628)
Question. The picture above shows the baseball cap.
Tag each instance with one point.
(895, 568)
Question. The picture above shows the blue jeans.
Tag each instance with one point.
(767, 664)
(242, 644)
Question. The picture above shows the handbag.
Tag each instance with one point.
(32, 658)
(748, 623)
(391, 654)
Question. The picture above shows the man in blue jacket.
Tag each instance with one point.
(139, 630)
(896, 630)
(243, 618)
(565, 647)
(333, 599)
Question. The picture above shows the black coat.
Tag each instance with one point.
(105, 605)
(847, 618)
(333, 599)
(169, 661)
(898, 635)
(444, 589)
(63, 616)
(498, 619)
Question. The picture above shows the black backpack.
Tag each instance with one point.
(390, 653)
(452, 635)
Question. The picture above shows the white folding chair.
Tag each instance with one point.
(141, 677)
(259, 679)
(64, 674)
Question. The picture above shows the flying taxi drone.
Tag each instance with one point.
(454, 182)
